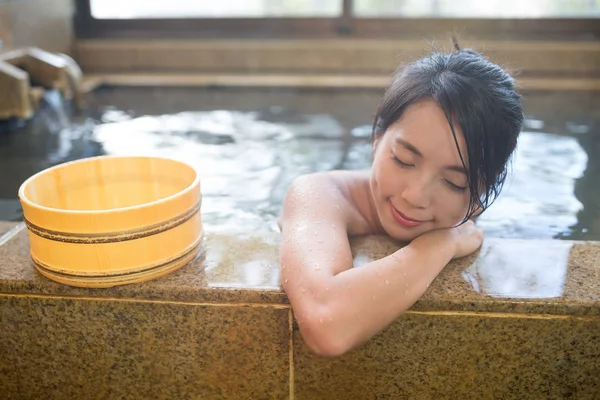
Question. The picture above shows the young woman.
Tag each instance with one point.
(444, 132)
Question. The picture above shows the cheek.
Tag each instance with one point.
(452, 209)
(384, 177)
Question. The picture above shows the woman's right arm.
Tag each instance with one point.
(339, 307)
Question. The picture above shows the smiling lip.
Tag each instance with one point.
(403, 220)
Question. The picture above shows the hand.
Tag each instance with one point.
(454, 242)
(467, 238)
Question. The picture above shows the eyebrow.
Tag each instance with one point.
(415, 151)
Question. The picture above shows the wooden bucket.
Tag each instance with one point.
(112, 220)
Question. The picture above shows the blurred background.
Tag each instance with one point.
(334, 8)
(256, 92)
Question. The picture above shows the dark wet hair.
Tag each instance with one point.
(476, 95)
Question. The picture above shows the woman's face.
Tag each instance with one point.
(418, 182)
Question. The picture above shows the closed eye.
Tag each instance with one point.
(400, 162)
(456, 187)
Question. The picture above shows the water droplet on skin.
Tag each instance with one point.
(316, 267)
(320, 241)
(406, 292)
(303, 291)
(405, 274)
(336, 206)
(286, 281)
(387, 282)
(374, 297)
(321, 320)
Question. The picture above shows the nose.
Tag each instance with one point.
(417, 193)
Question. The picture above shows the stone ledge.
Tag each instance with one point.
(505, 276)
(231, 269)
(61, 348)
(331, 81)
(333, 56)
(519, 318)
(460, 357)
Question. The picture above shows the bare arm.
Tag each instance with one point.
(338, 307)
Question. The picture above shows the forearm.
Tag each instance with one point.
(364, 300)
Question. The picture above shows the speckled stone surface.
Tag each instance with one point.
(6, 226)
(8, 230)
(505, 275)
(231, 269)
(60, 348)
(517, 319)
(510, 275)
(461, 356)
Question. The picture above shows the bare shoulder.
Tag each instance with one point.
(319, 213)
(340, 197)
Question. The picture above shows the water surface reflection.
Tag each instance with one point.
(249, 145)
(520, 268)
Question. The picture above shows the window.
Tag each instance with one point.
(130, 9)
(477, 8)
(498, 19)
